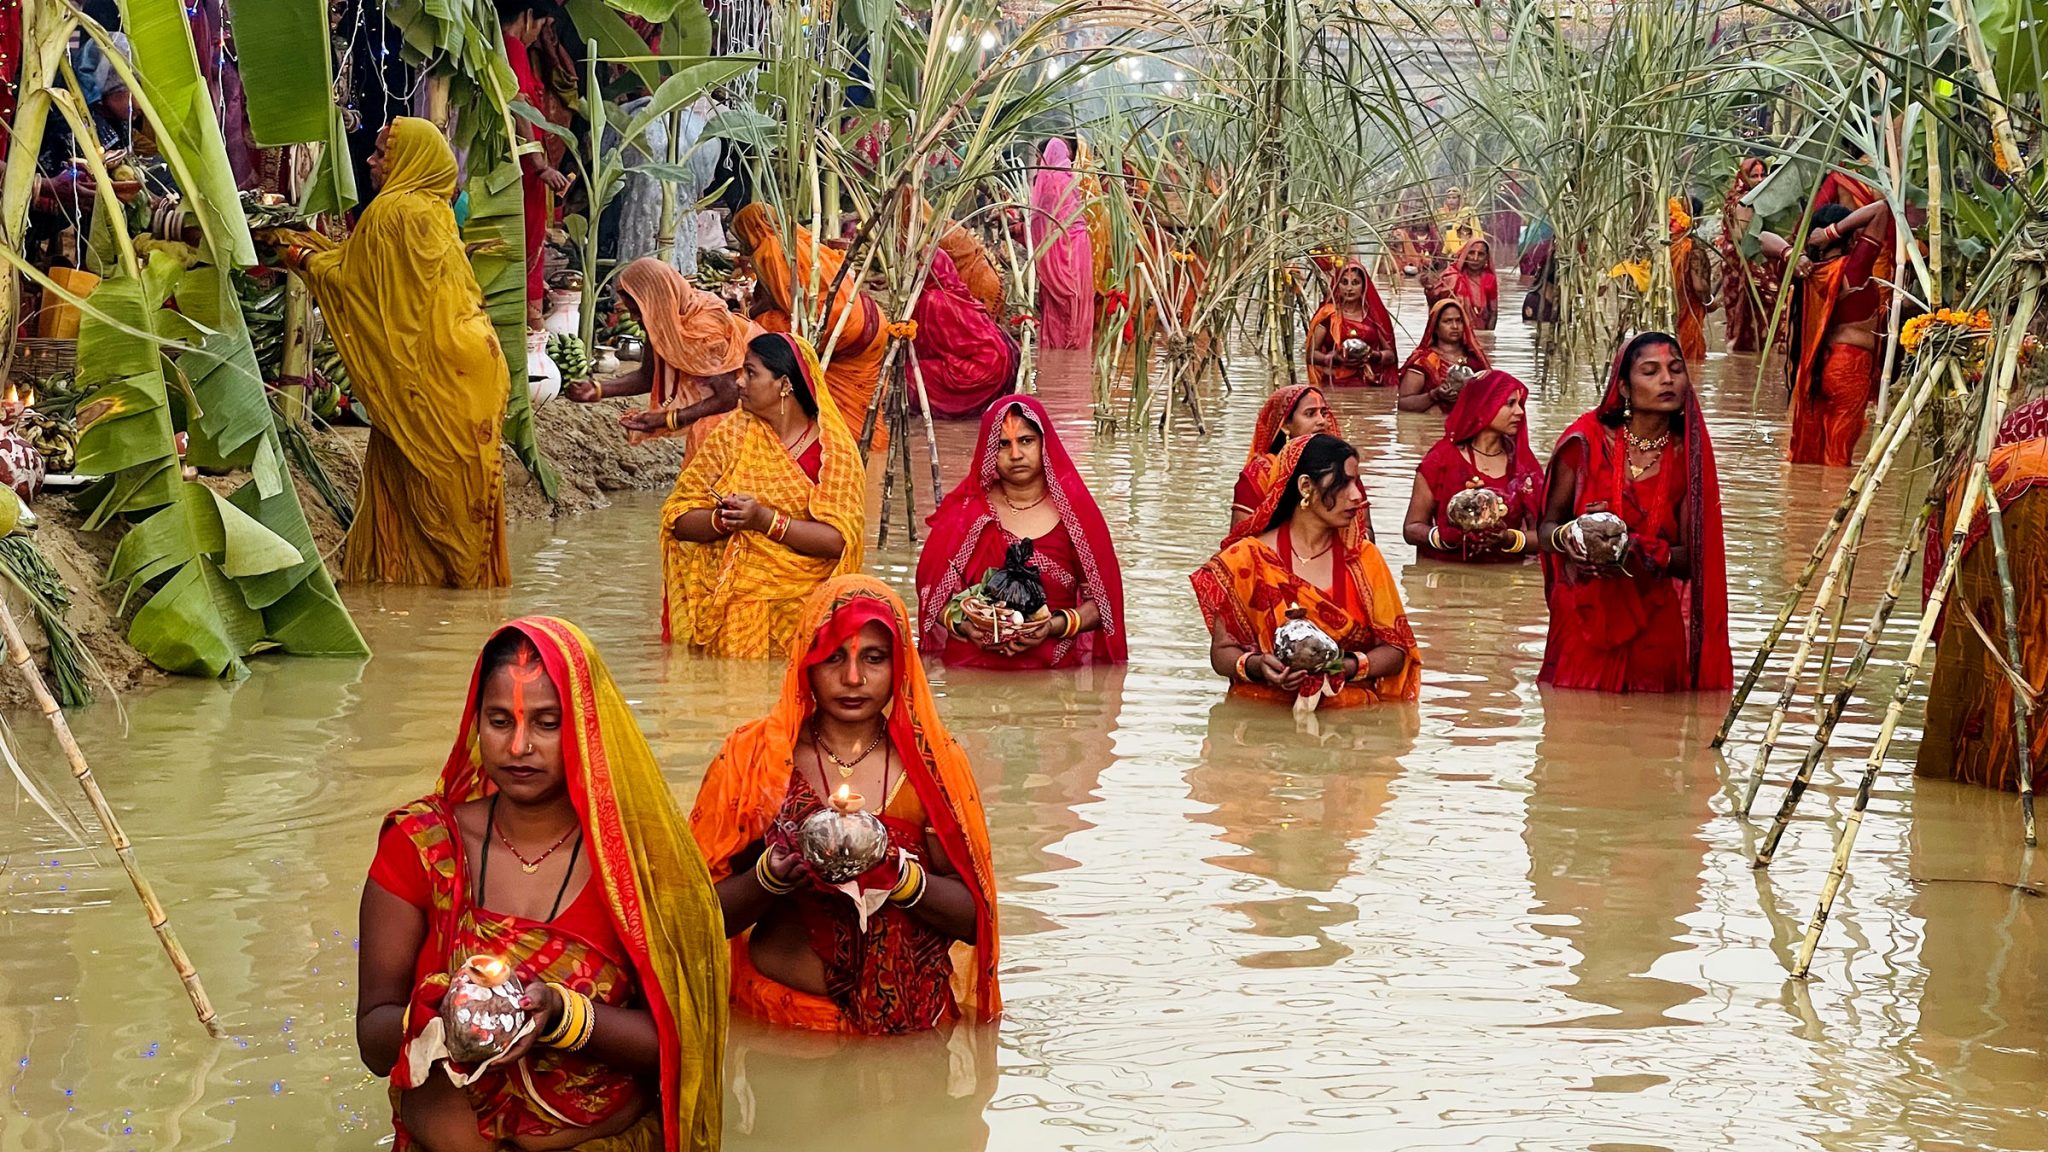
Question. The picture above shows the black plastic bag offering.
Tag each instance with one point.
(1016, 585)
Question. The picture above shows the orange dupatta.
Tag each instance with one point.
(654, 881)
(745, 785)
(740, 596)
(694, 336)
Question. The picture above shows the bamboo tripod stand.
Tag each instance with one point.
(1839, 543)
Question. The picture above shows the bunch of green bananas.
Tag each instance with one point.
(570, 356)
(329, 393)
(56, 437)
(628, 326)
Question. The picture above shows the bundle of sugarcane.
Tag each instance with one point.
(72, 667)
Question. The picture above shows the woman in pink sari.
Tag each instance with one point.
(1066, 260)
(963, 354)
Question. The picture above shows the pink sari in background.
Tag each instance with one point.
(1066, 260)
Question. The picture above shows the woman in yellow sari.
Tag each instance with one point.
(770, 507)
(553, 844)
(856, 365)
(907, 946)
(1306, 547)
(405, 311)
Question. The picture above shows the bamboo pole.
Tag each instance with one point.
(1886, 449)
(2023, 751)
(1858, 484)
(1852, 543)
(159, 921)
(1973, 489)
(1832, 713)
(931, 433)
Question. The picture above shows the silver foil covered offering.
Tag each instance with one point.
(840, 841)
(484, 1010)
(1477, 509)
(1455, 379)
(1353, 347)
(1302, 646)
(1601, 536)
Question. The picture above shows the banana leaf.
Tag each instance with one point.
(652, 11)
(288, 78)
(615, 38)
(497, 217)
(167, 67)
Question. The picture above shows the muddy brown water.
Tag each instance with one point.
(1503, 918)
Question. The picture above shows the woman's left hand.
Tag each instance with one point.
(741, 512)
(1029, 636)
(642, 420)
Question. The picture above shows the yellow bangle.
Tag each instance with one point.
(766, 877)
(1521, 540)
(910, 881)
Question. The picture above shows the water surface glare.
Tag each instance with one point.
(1503, 918)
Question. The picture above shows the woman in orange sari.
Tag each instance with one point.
(773, 505)
(855, 367)
(1353, 311)
(405, 311)
(1294, 411)
(911, 944)
(1970, 735)
(1447, 343)
(609, 920)
(1306, 546)
(1691, 280)
(971, 260)
(690, 371)
(1656, 620)
(1470, 281)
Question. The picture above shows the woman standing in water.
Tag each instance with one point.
(1022, 486)
(1485, 445)
(1471, 282)
(1657, 619)
(1354, 311)
(771, 507)
(1306, 545)
(909, 945)
(1447, 343)
(1058, 228)
(1296, 410)
(553, 843)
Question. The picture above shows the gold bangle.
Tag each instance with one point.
(1520, 538)
(1556, 538)
(766, 878)
(553, 1036)
(670, 419)
(911, 880)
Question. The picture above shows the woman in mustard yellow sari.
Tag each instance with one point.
(404, 309)
(771, 506)
(856, 365)
(552, 843)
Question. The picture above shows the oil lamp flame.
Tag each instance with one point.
(847, 800)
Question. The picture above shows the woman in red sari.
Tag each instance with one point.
(553, 843)
(1471, 282)
(1306, 546)
(523, 23)
(1354, 311)
(911, 944)
(1447, 343)
(1485, 445)
(963, 355)
(1022, 486)
(1837, 329)
(1290, 412)
(1658, 620)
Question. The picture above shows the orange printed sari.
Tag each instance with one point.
(693, 337)
(741, 596)
(1249, 587)
(855, 368)
(656, 942)
(887, 979)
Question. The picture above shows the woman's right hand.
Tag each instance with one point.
(583, 391)
(1269, 670)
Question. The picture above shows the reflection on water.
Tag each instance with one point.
(1499, 918)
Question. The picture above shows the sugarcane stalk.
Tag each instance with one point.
(159, 920)
(1973, 490)
(2023, 752)
(1935, 179)
(931, 433)
(1863, 480)
(1832, 713)
(1898, 430)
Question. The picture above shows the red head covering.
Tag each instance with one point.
(1475, 356)
(1603, 479)
(1274, 414)
(966, 513)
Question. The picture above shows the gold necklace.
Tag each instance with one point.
(1642, 444)
(846, 767)
(531, 866)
